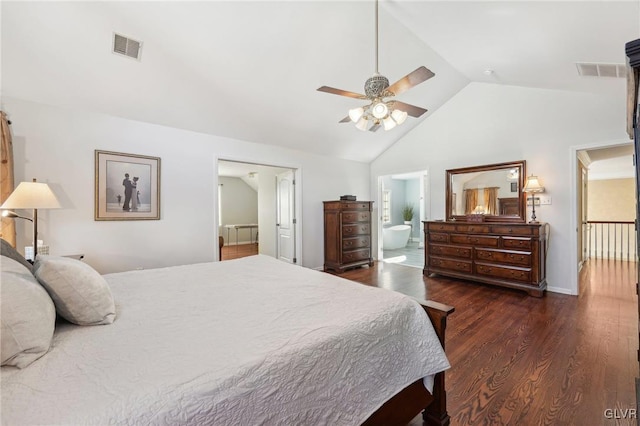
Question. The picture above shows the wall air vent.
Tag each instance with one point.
(601, 70)
(125, 46)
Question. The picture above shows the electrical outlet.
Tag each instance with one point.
(544, 199)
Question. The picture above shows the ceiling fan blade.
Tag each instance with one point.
(345, 120)
(412, 110)
(412, 79)
(340, 92)
(375, 127)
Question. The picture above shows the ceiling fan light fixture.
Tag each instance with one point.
(399, 116)
(380, 110)
(362, 124)
(356, 113)
(389, 123)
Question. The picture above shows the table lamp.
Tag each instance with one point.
(30, 195)
(533, 186)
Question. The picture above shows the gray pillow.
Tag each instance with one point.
(80, 293)
(7, 250)
(27, 316)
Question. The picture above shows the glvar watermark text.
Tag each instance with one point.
(620, 413)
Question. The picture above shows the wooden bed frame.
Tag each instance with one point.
(413, 399)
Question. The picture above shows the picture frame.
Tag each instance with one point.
(514, 186)
(127, 186)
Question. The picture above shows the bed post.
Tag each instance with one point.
(436, 412)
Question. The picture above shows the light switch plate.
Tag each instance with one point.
(544, 199)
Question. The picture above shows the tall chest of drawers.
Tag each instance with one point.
(347, 234)
(505, 254)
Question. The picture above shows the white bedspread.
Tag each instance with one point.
(243, 342)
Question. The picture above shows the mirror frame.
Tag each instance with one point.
(521, 165)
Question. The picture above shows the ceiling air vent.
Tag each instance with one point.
(126, 46)
(601, 70)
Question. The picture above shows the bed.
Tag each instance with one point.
(248, 341)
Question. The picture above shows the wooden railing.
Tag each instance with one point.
(611, 240)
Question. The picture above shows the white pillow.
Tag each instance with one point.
(81, 295)
(27, 316)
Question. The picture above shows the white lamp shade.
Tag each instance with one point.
(399, 116)
(533, 185)
(362, 124)
(31, 195)
(388, 123)
(380, 110)
(355, 114)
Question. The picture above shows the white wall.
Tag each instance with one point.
(412, 197)
(267, 211)
(486, 124)
(239, 204)
(57, 145)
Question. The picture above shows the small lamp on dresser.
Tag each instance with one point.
(533, 186)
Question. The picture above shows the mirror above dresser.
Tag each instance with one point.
(492, 192)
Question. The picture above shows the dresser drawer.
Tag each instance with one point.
(478, 229)
(450, 264)
(441, 238)
(441, 227)
(453, 251)
(516, 243)
(478, 240)
(356, 242)
(349, 217)
(353, 256)
(511, 257)
(511, 230)
(505, 272)
(352, 230)
(355, 206)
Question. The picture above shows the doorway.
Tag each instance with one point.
(605, 205)
(257, 212)
(404, 204)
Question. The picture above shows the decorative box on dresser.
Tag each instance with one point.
(347, 234)
(505, 254)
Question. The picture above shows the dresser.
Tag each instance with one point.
(506, 254)
(347, 234)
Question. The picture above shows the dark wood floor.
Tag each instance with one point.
(520, 360)
(241, 250)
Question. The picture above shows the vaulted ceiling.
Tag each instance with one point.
(250, 70)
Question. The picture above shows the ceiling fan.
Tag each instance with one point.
(381, 111)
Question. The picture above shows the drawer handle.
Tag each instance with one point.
(510, 230)
(348, 243)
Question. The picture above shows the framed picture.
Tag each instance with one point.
(127, 186)
(514, 186)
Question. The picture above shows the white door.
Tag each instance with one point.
(286, 222)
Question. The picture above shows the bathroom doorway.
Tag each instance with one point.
(403, 206)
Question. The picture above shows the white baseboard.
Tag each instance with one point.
(239, 243)
(560, 290)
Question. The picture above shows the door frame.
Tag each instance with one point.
(574, 226)
(297, 173)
